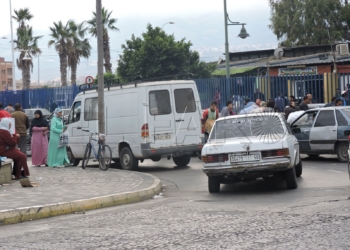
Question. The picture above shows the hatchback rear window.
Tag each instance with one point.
(269, 127)
(346, 112)
(184, 100)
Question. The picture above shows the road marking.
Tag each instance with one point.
(336, 171)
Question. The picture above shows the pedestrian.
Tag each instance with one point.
(8, 149)
(310, 98)
(290, 109)
(258, 95)
(21, 125)
(304, 104)
(271, 106)
(257, 102)
(38, 130)
(338, 103)
(57, 156)
(344, 96)
(9, 109)
(261, 109)
(338, 93)
(332, 103)
(280, 102)
(208, 118)
(227, 111)
(3, 112)
(217, 98)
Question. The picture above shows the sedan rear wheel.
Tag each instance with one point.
(291, 178)
(342, 151)
(213, 184)
(299, 168)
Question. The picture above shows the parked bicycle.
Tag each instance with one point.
(102, 155)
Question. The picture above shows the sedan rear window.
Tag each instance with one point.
(269, 127)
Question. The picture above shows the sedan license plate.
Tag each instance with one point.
(163, 137)
(244, 158)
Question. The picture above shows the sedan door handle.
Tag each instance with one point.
(306, 131)
(180, 120)
(333, 130)
(78, 127)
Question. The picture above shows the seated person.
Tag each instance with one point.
(8, 148)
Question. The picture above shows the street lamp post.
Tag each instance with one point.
(243, 34)
(13, 55)
(168, 23)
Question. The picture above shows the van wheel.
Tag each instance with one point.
(71, 158)
(291, 178)
(213, 184)
(182, 161)
(128, 160)
(342, 151)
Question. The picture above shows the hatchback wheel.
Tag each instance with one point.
(342, 151)
(213, 184)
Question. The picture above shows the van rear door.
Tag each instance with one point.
(160, 117)
(187, 117)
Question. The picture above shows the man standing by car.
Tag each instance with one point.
(9, 108)
(227, 111)
(304, 104)
(21, 125)
(290, 109)
(332, 103)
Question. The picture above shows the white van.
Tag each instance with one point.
(148, 120)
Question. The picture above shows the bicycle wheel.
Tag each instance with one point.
(104, 155)
(86, 155)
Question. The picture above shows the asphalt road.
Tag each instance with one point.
(254, 215)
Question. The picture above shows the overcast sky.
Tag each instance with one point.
(200, 21)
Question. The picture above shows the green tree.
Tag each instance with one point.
(26, 43)
(156, 54)
(306, 22)
(108, 23)
(61, 35)
(78, 46)
(22, 16)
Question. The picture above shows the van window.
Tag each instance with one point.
(91, 109)
(74, 115)
(159, 102)
(184, 100)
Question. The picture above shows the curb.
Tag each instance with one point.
(17, 215)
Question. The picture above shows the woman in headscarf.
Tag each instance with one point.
(57, 156)
(39, 129)
(8, 148)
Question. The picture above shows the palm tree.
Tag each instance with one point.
(27, 44)
(22, 16)
(108, 24)
(61, 34)
(78, 47)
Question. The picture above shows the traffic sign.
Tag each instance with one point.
(89, 80)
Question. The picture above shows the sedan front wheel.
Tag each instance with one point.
(342, 151)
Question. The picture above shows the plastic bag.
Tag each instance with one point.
(64, 140)
(293, 116)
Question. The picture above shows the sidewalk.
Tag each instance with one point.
(72, 189)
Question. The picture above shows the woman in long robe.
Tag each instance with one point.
(39, 129)
(8, 148)
(57, 157)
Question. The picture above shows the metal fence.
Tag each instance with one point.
(322, 87)
(49, 98)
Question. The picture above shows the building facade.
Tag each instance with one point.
(5, 74)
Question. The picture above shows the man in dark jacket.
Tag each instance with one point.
(290, 109)
(332, 103)
(21, 125)
(304, 104)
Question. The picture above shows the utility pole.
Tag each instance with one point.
(101, 98)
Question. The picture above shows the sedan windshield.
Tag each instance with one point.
(261, 126)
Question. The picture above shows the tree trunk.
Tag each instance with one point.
(73, 77)
(107, 53)
(25, 77)
(63, 68)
